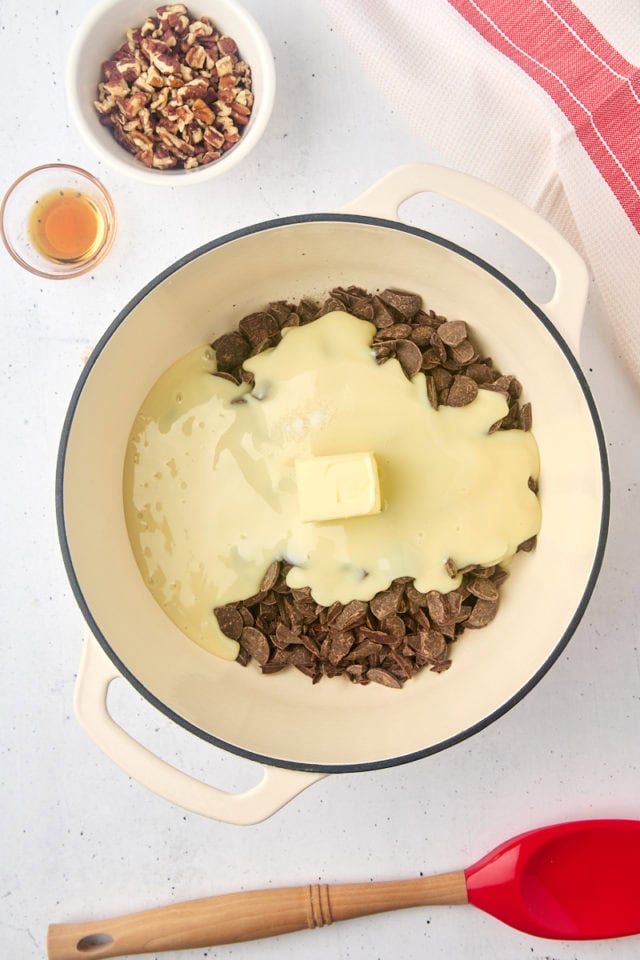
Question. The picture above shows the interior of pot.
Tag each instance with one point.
(282, 717)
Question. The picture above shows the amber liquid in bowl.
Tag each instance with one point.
(66, 226)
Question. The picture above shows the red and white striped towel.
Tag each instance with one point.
(535, 96)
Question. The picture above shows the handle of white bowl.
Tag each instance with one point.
(566, 307)
(277, 787)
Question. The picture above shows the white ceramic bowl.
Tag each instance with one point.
(104, 30)
(297, 731)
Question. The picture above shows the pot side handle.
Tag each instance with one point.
(277, 787)
(566, 307)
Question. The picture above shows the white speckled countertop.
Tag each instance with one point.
(80, 839)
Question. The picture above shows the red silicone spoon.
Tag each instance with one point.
(571, 881)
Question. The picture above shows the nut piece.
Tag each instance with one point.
(176, 93)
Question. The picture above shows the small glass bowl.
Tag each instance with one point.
(17, 208)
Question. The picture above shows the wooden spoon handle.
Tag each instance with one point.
(251, 915)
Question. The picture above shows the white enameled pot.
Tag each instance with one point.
(300, 733)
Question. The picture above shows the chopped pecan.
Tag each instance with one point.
(196, 56)
(227, 45)
(224, 66)
(105, 106)
(181, 85)
(149, 27)
(129, 69)
(159, 54)
(118, 87)
(131, 106)
(196, 88)
(162, 159)
(175, 144)
(209, 156)
(166, 11)
(159, 102)
(202, 112)
(245, 97)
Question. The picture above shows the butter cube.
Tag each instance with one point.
(339, 486)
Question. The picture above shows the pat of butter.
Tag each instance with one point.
(337, 487)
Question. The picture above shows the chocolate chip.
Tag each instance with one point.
(356, 671)
(231, 350)
(382, 316)
(384, 677)
(378, 636)
(395, 626)
(307, 310)
(258, 328)
(352, 614)
(409, 356)
(450, 567)
(281, 311)
(452, 332)
(525, 418)
(421, 335)
(500, 576)
(434, 643)
(501, 385)
(453, 602)
(229, 376)
(432, 392)
(243, 658)
(438, 347)
(430, 359)
(463, 352)
(462, 391)
(248, 618)
(436, 607)
(415, 597)
(442, 379)
(397, 331)
(284, 637)
(482, 588)
(483, 613)
(406, 304)
(230, 621)
(527, 545)
(254, 642)
(362, 308)
(515, 388)
(382, 351)
(339, 646)
(401, 667)
(329, 306)
(479, 372)
(384, 604)
(271, 577)
(441, 667)
(481, 571)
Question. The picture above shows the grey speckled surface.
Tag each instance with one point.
(80, 839)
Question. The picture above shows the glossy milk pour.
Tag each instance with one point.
(210, 489)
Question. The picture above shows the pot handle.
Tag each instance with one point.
(277, 787)
(566, 307)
